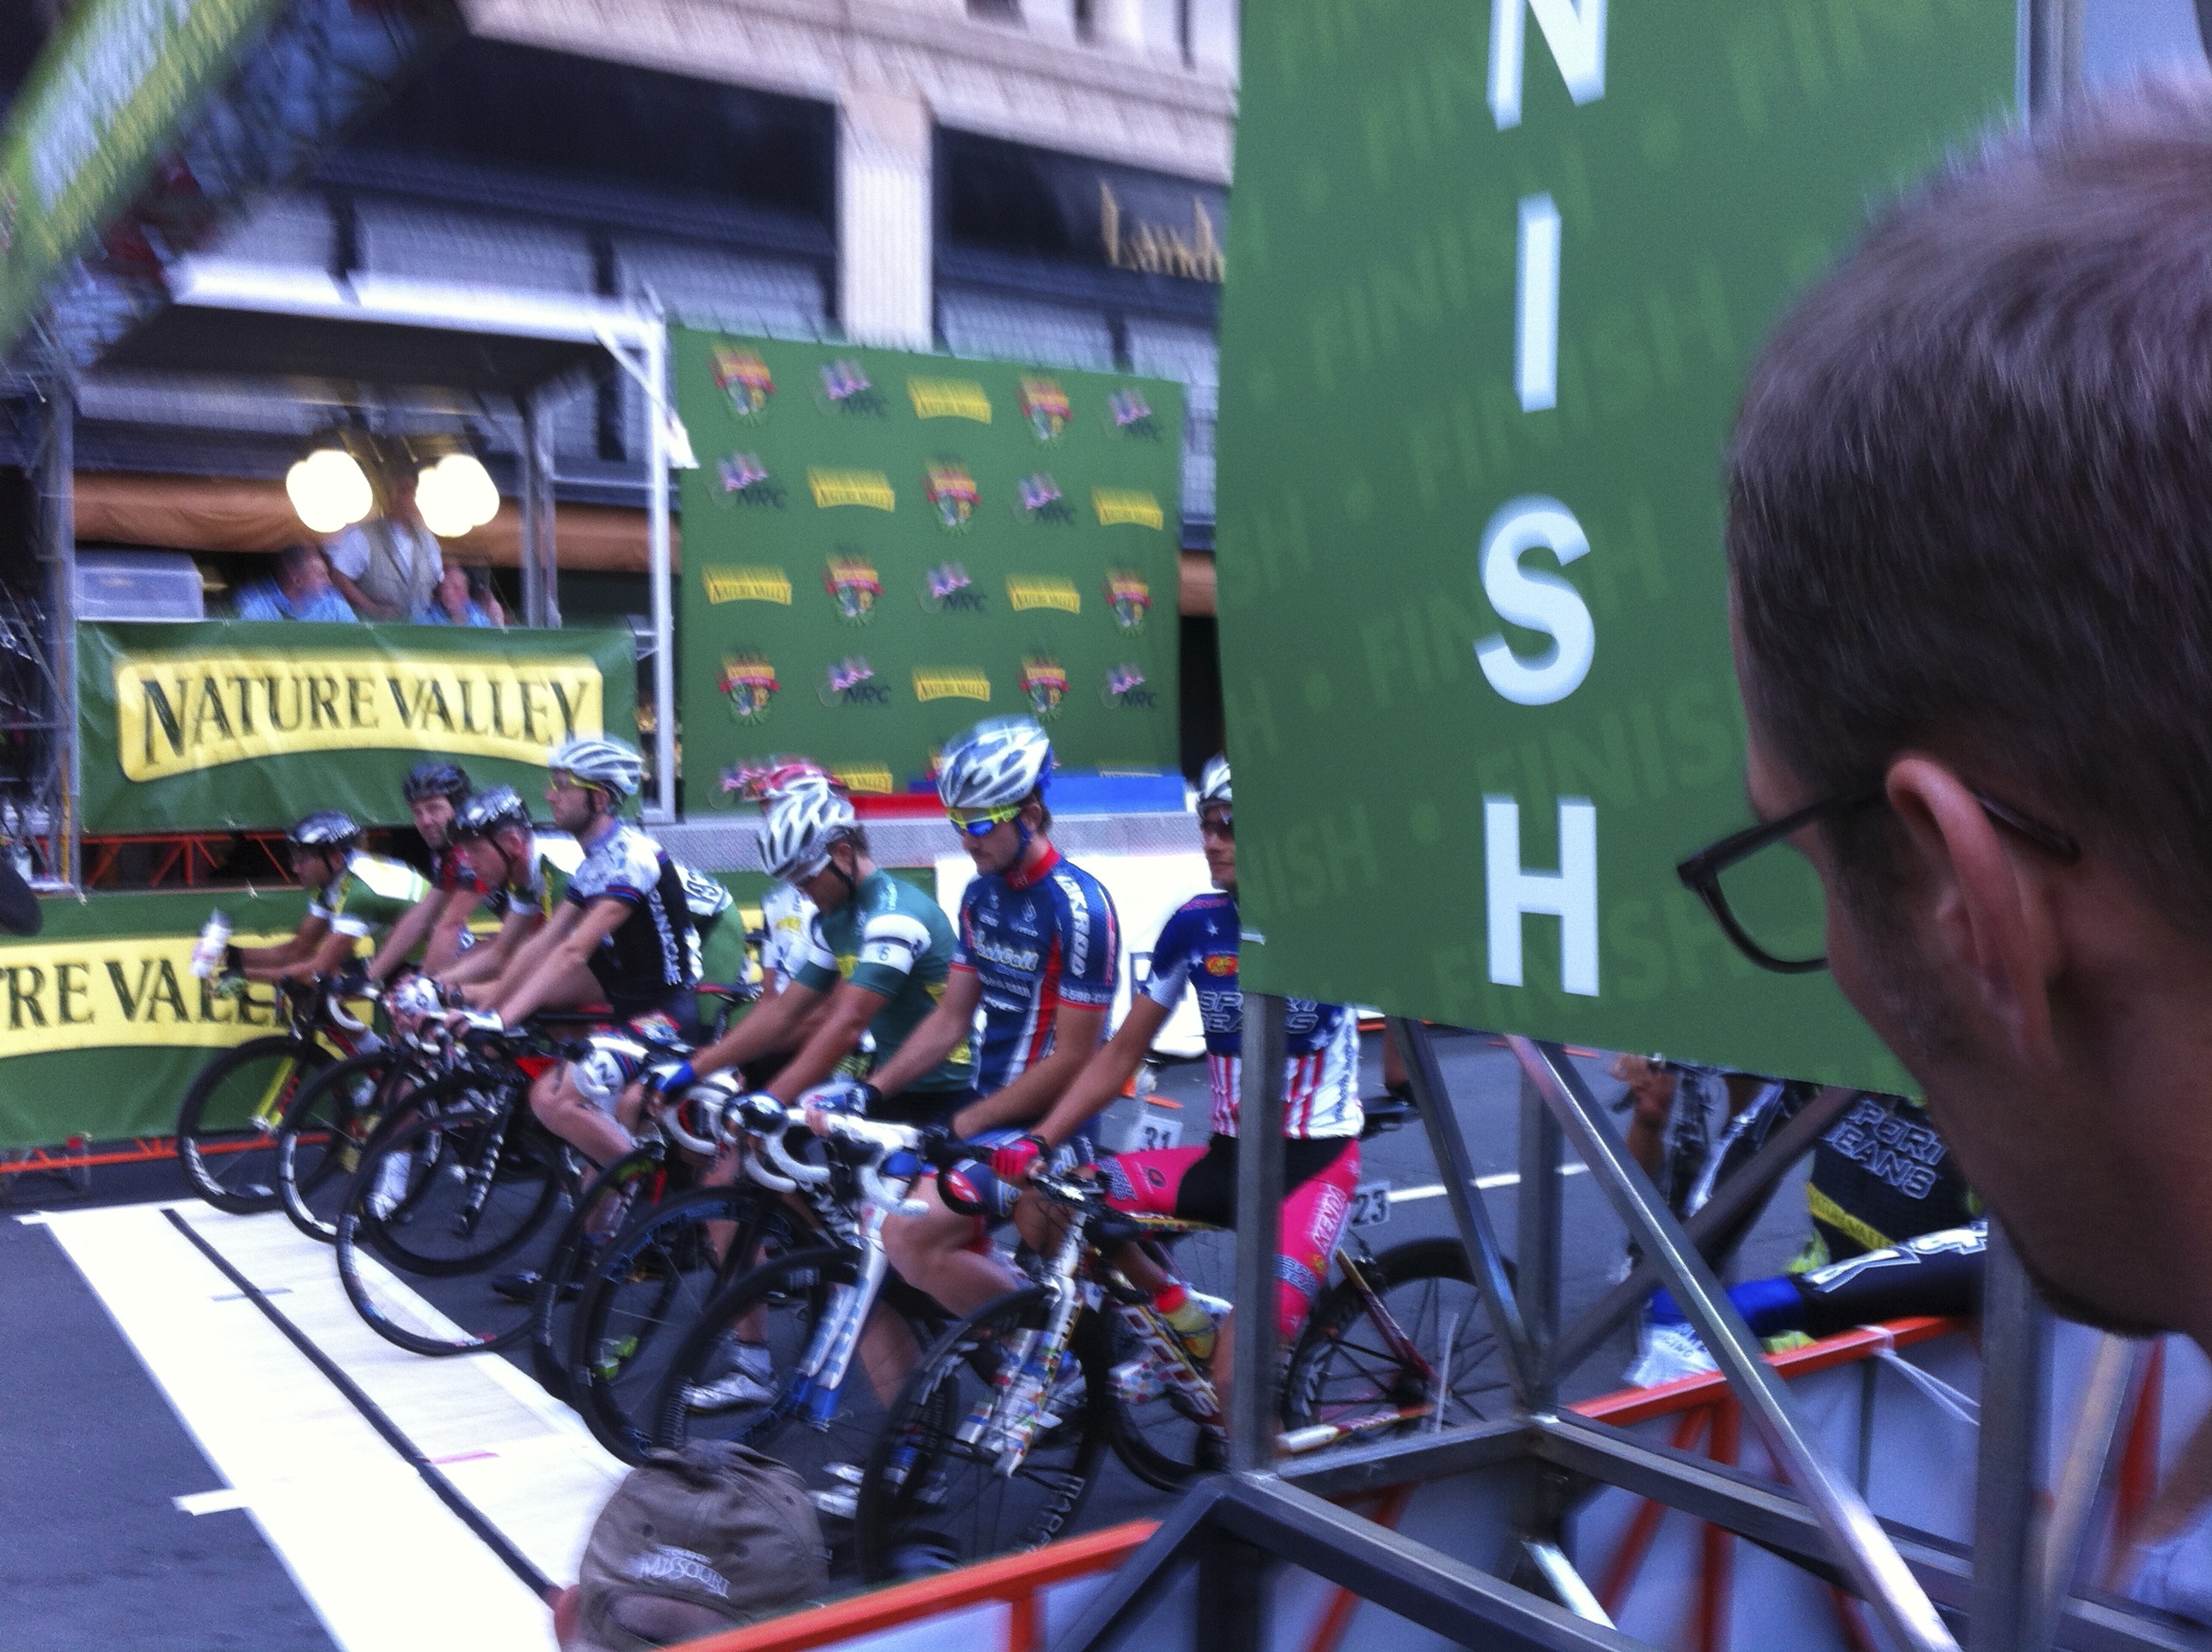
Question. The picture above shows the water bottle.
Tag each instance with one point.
(214, 942)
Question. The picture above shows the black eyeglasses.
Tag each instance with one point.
(1702, 873)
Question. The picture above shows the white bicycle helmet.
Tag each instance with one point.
(609, 765)
(801, 825)
(1213, 781)
(995, 764)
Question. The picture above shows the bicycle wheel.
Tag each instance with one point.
(960, 1466)
(763, 1400)
(651, 1286)
(464, 1191)
(326, 1129)
(227, 1127)
(636, 1181)
(1414, 1350)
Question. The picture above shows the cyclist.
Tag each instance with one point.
(521, 872)
(355, 897)
(619, 932)
(1039, 949)
(1198, 950)
(434, 791)
(880, 953)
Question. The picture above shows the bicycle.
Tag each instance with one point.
(227, 1125)
(956, 1464)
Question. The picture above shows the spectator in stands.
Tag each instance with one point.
(453, 601)
(388, 566)
(694, 1541)
(485, 595)
(300, 590)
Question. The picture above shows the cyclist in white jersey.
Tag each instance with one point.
(522, 871)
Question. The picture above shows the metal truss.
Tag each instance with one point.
(2017, 1590)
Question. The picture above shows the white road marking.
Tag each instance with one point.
(343, 1511)
(1504, 1179)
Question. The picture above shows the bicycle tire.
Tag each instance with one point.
(637, 1180)
(911, 1492)
(230, 1161)
(437, 1302)
(1344, 1369)
(326, 1130)
(647, 1289)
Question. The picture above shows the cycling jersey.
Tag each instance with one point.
(541, 880)
(889, 938)
(1037, 940)
(1882, 1176)
(648, 957)
(1197, 948)
(786, 916)
(369, 896)
(450, 871)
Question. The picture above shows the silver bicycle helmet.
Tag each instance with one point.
(435, 779)
(609, 765)
(326, 830)
(492, 810)
(1213, 781)
(995, 764)
(801, 825)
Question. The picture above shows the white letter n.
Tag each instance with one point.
(1574, 29)
(1569, 895)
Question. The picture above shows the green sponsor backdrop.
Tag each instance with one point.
(1396, 487)
(108, 97)
(101, 1025)
(832, 606)
(241, 724)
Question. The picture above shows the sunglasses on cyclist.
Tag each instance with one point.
(983, 822)
(1222, 825)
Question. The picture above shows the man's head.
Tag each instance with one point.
(452, 592)
(493, 831)
(1216, 822)
(992, 780)
(812, 841)
(302, 573)
(433, 791)
(591, 779)
(319, 846)
(693, 1542)
(1970, 550)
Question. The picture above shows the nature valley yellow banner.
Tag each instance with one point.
(239, 725)
(86, 994)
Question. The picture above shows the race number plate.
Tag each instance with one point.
(1153, 1131)
(1370, 1204)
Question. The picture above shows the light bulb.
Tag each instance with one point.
(469, 487)
(329, 490)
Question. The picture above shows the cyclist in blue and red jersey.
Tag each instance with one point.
(1198, 950)
(439, 921)
(1039, 951)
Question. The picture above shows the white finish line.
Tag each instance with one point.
(385, 1565)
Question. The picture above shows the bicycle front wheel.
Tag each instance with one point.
(227, 1127)
(1400, 1342)
(435, 1206)
(324, 1132)
(967, 1467)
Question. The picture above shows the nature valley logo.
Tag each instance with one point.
(1042, 591)
(1129, 596)
(749, 681)
(1044, 404)
(742, 479)
(952, 491)
(950, 683)
(1126, 507)
(947, 589)
(871, 489)
(744, 378)
(116, 991)
(846, 389)
(178, 713)
(1043, 684)
(948, 398)
(1037, 497)
(865, 777)
(1125, 689)
(851, 581)
(1129, 414)
(742, 583)
(852, 683)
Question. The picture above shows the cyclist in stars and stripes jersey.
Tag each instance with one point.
(1039, 951)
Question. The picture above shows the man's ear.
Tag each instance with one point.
(1980, 902)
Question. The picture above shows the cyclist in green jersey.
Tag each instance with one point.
(356, 896)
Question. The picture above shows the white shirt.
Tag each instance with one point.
(349, 552)
(789, 918)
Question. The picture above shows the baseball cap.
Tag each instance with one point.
(694, 1541)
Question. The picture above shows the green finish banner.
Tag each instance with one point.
(102, 1026)
(238, 724)
(880, 549)
(1500, 272)
(105, 102)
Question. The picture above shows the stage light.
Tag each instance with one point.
(329, 490)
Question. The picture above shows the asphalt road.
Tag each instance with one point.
(95, 1551)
